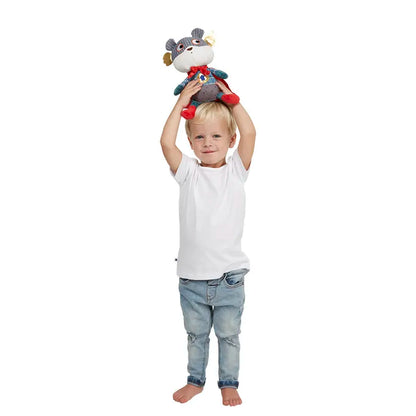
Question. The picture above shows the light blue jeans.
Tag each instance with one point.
(218, 303)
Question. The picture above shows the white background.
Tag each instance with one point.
(89, 307)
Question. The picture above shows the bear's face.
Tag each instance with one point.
(190, 51)
(192, 55)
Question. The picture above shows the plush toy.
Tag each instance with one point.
(192, 55)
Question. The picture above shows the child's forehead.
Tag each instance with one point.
(211, 123)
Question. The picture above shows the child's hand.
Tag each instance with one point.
(227, 97)
(223, 88)
(191, 89)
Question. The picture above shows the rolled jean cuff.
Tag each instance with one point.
(195, 381)
(228, 383)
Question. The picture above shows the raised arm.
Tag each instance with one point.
(168, 140)
(246, 129)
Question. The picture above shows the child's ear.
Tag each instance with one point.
(190, 142)
(233, 140)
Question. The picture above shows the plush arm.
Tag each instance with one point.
(218, 73)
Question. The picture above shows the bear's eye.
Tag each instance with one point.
(180, 47)
(196, 41)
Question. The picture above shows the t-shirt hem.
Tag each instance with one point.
(212, 276)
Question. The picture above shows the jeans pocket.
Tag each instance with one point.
(184, 281)
(235, 278)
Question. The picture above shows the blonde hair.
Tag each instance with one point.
(212, 110)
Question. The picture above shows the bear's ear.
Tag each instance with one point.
(170, 45)
(167, 58)
(197, 33)
(210, 39)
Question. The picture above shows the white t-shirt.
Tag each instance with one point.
(211, 214)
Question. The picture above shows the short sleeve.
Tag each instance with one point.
(185, 168)
(238, 166)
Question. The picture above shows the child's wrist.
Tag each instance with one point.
(177, 110)
(181, 103)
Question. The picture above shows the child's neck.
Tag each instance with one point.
(215, 165)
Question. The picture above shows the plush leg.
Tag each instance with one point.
(189, 112)
(228, 98)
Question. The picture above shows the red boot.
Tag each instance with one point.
(188, 112)
(230, 98)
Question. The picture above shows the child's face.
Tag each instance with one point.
(210, 141)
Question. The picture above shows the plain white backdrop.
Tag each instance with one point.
(90, 322)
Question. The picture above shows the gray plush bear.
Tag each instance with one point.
(192, 55)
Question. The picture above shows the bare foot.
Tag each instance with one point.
(186, 393)
(230, 397)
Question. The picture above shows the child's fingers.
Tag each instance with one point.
(223, 88)
(194, 85)
(189, 90)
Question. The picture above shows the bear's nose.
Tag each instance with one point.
(189, 49)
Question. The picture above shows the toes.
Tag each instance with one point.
(178, 396)
(180, 399)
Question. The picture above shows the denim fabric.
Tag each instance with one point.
(218, 303)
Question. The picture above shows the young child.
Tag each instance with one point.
(211, 266)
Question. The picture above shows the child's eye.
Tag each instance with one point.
(217, 136)
(199, 137)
